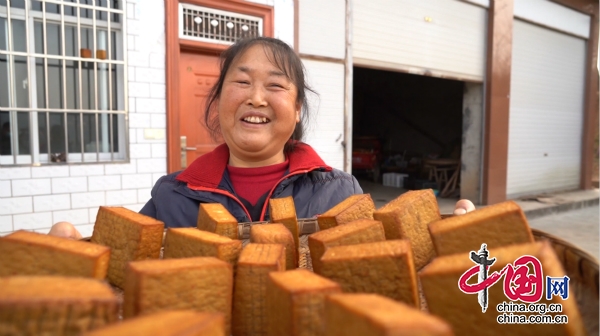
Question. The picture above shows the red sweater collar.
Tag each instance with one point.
(207, 170)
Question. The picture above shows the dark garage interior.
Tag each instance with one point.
(406, 124)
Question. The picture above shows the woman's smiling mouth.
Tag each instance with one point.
(256, 120)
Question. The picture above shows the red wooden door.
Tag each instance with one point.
(198, 73)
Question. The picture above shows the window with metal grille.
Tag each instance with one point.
(62, 81)
(216, 26)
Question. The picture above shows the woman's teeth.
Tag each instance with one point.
(256, 120)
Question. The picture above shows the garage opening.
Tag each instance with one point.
(407, 131)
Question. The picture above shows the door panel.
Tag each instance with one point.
(197, 73)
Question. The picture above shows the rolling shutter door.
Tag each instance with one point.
(435, 37)
(546, 110)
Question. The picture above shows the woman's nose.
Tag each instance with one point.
(257, 96)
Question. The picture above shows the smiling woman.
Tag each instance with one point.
(258, 107)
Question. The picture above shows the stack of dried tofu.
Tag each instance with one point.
(369, 266)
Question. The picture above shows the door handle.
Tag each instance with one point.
(184, 148)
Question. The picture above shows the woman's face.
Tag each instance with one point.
(257, 109)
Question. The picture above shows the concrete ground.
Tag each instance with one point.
(572, 216)
(578, 227)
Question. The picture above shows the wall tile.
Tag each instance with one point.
(33, 221)
(31, 187)
(16, 205)
(50, 171)
(6, 224)
(61, 185)
(79, 216)
(51, 202)
(5, 189)
(108, 182)
(121, 197)
(15, 173)
(136, 181)
(87, 200)
(86, 170)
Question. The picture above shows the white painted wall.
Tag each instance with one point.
(322, 26)
(284, 18)
(34, 198)
(326, 130)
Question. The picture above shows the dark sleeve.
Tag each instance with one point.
(149, 209)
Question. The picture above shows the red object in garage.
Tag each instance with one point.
(366, 155)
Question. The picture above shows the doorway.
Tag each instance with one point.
(415, 125)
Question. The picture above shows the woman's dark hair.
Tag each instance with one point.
(285, 59)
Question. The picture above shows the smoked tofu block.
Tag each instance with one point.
(296, 302)
(54, 305)
(130, 236)
(376, 315)
(167, 323)
(386, 268)
(255, 263)
(352, 208)
(282, 210)
(30, 253)
(408, 217)
(203, 284)
(191, 242)
(495, 225)
(213, 217)
(356, 232)
(276, 234)
(445, 299)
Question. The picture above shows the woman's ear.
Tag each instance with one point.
(298, 110)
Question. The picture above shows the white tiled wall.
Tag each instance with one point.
(34, 198)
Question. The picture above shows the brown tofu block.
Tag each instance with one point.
(255, 263)
(296, 302)
(203, 284)
(55, 305)
(30, 253)
(191, 242)
(283, 210)
(213, 217)
(352, 208)
(495, 225)
(130, 236)
(167, 323)
(440, 278)
(276, 234)
(386, 268)
(356, 232)
(376, 315)
(408, 217)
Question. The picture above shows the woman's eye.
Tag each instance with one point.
(242, 81)
(277, 85)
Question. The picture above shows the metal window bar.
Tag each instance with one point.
(66, 127)
(109, 70)
(45, 45)
(110, 117)
(32, 81)
(11, 79)
(48, 136)
(80, 83)
(95, 64)
(68, 58)
(81, 137)
(230, 26)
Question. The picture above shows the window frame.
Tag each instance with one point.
(115, 60)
